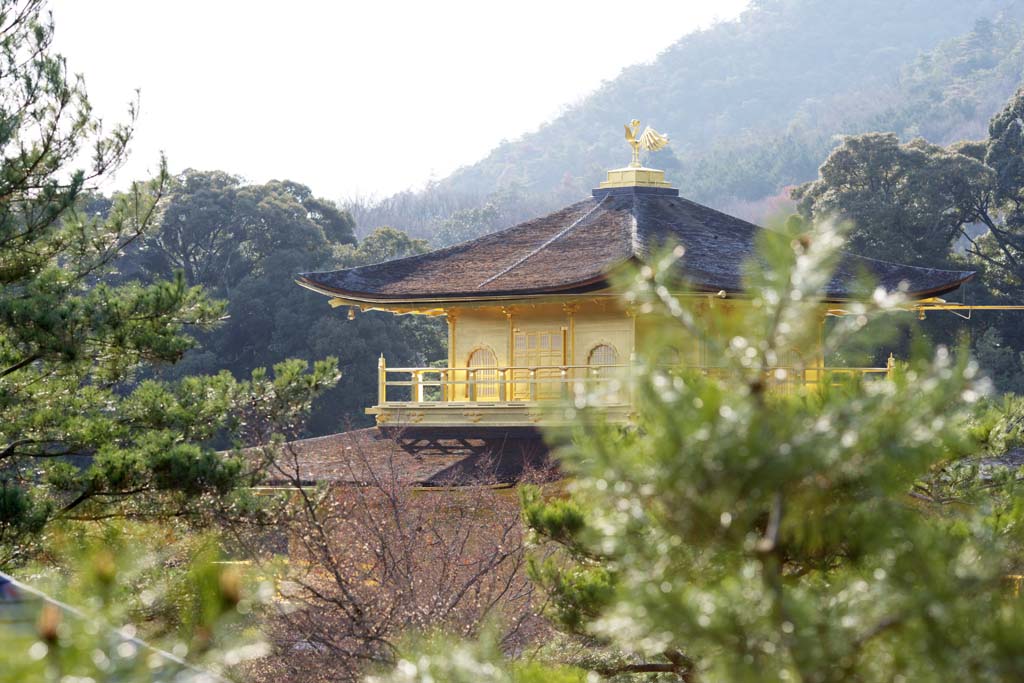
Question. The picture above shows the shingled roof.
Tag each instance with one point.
(367, 456)
(574, 250)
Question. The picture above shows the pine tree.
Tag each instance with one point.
(77, 437)
(738, 534)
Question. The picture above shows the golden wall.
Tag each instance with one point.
(535, 335)
(525, 335)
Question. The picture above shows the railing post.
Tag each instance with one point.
(471, 385)
(632, 374)
(533, 384)
(890, 365)
(564, 389)
(503, 385)
(417, 387)
(445, 396)
(382, 381)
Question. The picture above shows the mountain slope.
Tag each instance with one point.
(751, 105)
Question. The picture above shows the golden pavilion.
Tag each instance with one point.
(533, 314)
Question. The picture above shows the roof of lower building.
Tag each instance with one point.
(575, 249)
(367, 457)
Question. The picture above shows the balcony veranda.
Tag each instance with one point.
(521, 396)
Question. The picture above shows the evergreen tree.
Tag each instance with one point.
(246, 242)
(916, 199)
(75, 440)
(907, 202)
(740, 534)
(931, 205)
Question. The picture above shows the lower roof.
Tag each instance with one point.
(368, 457)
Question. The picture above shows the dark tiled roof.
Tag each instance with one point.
(574, 249)
(365, 456)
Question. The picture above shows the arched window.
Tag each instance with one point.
(484, 382)
(603, 354)
(601, 382)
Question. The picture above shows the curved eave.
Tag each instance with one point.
(590, 286)
(945, 289)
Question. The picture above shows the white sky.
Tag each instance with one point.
(352, 98)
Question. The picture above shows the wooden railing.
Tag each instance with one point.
(520, 384)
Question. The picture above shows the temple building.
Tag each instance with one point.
(533, 313)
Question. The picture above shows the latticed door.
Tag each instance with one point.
(539, 354)
(483, 382)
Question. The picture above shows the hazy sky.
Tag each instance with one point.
(353, 98)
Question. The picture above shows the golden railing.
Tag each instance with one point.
(521, 384)
(510, 384)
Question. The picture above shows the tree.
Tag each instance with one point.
(1001, 209)
(75, 439)
(372, 559)
(247, 242)
(218, 230)
(383, 244)
(930, 205)
(907, 202)
(915, 199)
(244, 242)
(740, 535)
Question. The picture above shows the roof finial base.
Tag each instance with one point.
(635, 176)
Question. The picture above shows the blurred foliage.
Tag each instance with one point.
(437, 660)
(746, 531)
(158, 583)
(998, 424)
(803, 535)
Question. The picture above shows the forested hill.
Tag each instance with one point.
(751, 106)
